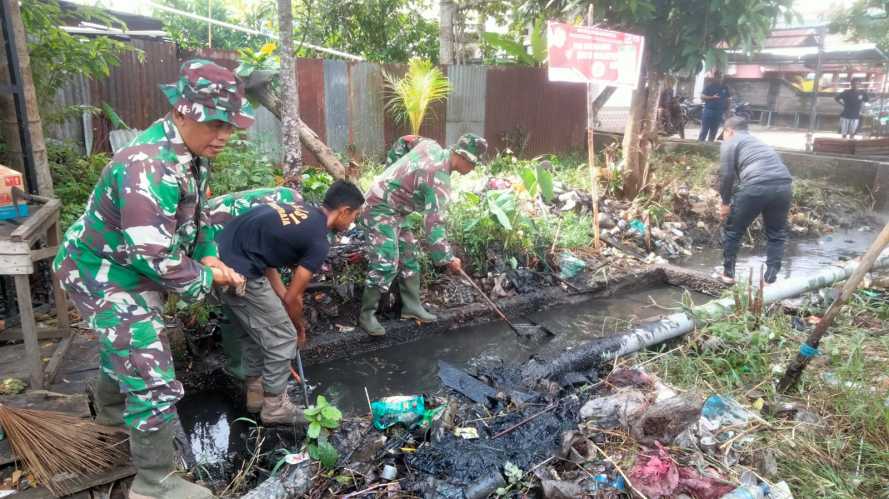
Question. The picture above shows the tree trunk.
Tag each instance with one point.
(638, 132)
(9, 126)
(447, 11)
(289, 98)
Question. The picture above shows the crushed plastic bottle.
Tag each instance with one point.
(749, 492)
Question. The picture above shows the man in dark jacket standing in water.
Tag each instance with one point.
(753, 181)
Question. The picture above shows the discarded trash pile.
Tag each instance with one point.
(581, 436)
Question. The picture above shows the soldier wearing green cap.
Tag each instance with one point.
(417, 180)
(144, 234)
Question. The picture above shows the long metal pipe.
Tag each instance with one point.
(604, 349)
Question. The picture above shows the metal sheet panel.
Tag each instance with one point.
(336, 104)
(64, 123)
(522, 106)
(311, 100)
(266, 133)
(132, 88)
(366, 113)
(466, 103)
(433, 126)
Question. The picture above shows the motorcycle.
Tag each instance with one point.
(692, 110)
(673, 123)
(741, 109)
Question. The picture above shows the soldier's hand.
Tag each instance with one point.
(225, 276)
(455, 265)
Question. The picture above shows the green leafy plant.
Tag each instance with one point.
(515, 480)
(538, 181)
(58, 56)
(322, 418)
(411, 95)
(116, 121)
(315, 184)
(242, 165)
(74, 177)
(517, 51)
(262, 59)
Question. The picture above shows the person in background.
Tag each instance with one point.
(143, 236)
(852, 100)
(257, 243)
(753, 182)
(715, 97)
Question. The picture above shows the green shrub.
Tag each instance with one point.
(74, 178)
(241, 166)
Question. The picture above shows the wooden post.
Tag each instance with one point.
(591, 91)
(813, 109)
(795, 369)
(29, 331)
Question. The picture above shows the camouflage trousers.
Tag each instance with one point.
(133, 348)
(392, 247)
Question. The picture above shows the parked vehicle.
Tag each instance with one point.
(673, 125)
(741, 108)
(691, 109)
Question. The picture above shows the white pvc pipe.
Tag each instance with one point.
(680, 323)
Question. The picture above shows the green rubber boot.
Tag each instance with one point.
(411, 305)
(153, 455)
(108, 401)
(368, 320)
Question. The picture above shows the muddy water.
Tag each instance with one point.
(210, 418)
(413, 367)
(800, 257)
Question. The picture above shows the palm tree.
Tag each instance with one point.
(412, 94)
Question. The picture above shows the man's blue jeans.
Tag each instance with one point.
(772, 201)
(711, 120)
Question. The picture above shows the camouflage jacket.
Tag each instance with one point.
(140, 230)
(222, 209)
(419, 182)
(401, 147)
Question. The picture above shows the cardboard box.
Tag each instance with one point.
(10, 178)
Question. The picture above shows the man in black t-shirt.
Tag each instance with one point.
(852, 100)
(257, 243)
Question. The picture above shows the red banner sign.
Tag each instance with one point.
(590, 55)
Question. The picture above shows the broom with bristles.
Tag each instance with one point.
(62, 450)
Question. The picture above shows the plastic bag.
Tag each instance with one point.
(404, 409)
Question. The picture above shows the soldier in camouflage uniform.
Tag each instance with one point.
(419, 182)
(145, 234)
(401, 147)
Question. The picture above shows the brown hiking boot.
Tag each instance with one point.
(278, 409)
(253, 385)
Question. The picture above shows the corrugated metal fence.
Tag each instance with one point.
(344, 103)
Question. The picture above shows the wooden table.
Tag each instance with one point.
(17, 257)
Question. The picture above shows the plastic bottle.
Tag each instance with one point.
(749, 492)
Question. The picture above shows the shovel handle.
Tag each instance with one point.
(490, 302)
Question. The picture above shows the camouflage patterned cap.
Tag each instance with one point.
(206, 91)
(471, 146)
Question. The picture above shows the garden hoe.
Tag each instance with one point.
(523, 329)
